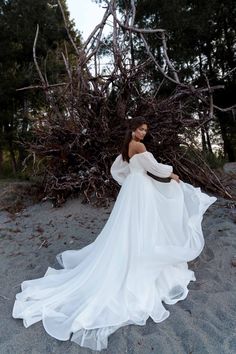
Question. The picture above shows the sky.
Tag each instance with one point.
(86, 14)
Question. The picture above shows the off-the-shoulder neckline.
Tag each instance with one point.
(140, 153)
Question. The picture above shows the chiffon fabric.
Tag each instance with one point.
(137, 263)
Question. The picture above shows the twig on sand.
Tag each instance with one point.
(15, 286)
(4, 297)
(44, 244)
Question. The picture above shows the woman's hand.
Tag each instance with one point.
(175, 177)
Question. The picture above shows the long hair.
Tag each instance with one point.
(134, 123)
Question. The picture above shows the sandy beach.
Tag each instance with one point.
(204, 323)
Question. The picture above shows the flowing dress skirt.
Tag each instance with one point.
(137, 263)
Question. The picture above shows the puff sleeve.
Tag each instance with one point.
(150, 164)
(120, 169)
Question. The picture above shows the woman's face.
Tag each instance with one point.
(141, 131)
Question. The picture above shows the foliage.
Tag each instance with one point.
(77, 126)
(201, 44)
(18, 20)
(80, 135)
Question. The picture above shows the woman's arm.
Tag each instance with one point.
(119, 169)
(156, 168)
(151, 165)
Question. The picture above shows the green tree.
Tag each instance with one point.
(18, 22)
(201, 43)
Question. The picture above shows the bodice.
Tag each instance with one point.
(141, 163)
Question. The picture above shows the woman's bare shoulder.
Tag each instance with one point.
(136, 147)
(140, 147)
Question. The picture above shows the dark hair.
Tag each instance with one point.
(133, 124)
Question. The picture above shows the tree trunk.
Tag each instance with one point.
(13, 158)
(1, 160)
(229, 148)
(204, 145)
(209, 147)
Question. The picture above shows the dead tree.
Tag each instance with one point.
(81, 132)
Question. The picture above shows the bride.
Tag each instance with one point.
(136, 263)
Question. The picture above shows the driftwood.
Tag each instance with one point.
(77, 139)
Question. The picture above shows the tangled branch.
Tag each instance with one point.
(81, 134)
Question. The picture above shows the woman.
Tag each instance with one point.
(137, 262)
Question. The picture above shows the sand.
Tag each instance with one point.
(203, 323)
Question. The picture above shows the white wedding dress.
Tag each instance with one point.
(137, 262)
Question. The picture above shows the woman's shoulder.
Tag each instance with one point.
(137, 147)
